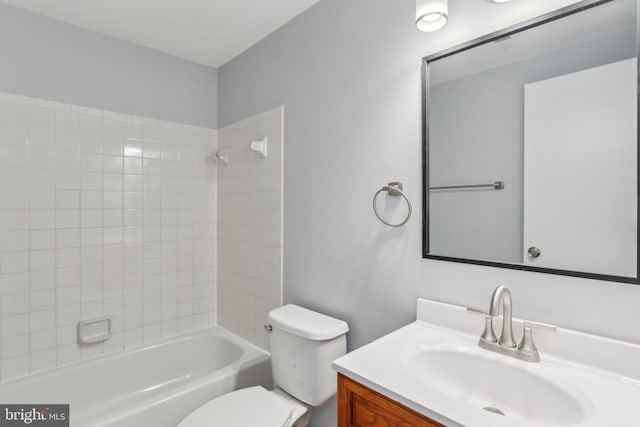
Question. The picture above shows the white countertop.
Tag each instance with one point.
(601, 375)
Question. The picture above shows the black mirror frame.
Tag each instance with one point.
(558, 14)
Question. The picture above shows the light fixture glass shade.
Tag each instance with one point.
(431, 15)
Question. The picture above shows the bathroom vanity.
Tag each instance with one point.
(432, 372)
(361, 406)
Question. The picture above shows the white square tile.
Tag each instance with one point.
(42, 260)
(112, 164)
(90, 143)
(67, 160)
(67, 354)
(68, 238)
(13, 156)
(68, 276)
(68, 180)
(91, 237)
(68, 315)
(114, 343)
(91, 162)
(14, 304)
(113, 235)
(13, 241)
(133, 337)
(12, 283)
(42, 199)
(42, 300)
(112, 127)
(42, 178)
(68, 296)
(151, 166)
(133, 165)
(91, 181)
(112, 217)
(67, 199)
(151, 150)
(15, 367)
(41, 118)
(42, 279)
(11, 326)
(43, 340)
(90, 255)
(14, 262)
(91, 124)
(90, 218)
(14, 114)
(134, 131)
(44, 138)
(14, 219)
(67, 141)
(66, 121)
(42, 360)
(68, 218)
(14, 346)
(113, 199)
(132, 183)
(112, 182)
(68, 257)
(13, 135)
(42, 219)
(91, 199)
(113, 146)
(132, 148)
(133, 200)
(90, 292)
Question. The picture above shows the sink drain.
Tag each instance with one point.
(494, 410)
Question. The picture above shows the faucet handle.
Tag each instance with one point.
(488, 335)
(527, 346)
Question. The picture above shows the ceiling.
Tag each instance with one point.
(210, 32)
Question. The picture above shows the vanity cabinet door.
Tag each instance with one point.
(359, 406)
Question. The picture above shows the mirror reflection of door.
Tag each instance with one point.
(549, 107)
(580, 170)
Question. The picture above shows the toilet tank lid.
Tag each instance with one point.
(306, 323)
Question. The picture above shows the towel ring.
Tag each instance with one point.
(394, 189)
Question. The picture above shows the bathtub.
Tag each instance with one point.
(155, 384)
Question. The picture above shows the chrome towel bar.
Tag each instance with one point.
(498, 185)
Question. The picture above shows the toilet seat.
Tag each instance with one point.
(252, 406)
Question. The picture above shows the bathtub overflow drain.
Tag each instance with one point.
(494, 410)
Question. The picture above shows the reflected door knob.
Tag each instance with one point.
(534, 252)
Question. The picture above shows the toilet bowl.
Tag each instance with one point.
(252, 406)
(303, 346)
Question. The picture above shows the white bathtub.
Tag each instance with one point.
(152, 385)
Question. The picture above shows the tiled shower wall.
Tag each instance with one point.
(250, 226)
(100, 213)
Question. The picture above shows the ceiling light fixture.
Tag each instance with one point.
(431, 15)
(499, 1)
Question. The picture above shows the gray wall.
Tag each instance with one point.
(44, 58)
(348, 74)
(477, 136)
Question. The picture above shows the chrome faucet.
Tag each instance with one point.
(506, 344)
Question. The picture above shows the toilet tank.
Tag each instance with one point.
(303, 346)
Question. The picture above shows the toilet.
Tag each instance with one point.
(303, 346)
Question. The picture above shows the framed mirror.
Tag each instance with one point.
(531, 146)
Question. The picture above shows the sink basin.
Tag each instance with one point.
(497, 386)
(435, 367)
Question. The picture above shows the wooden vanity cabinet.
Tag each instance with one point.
(359, 406)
